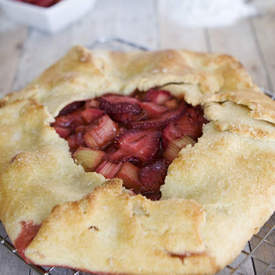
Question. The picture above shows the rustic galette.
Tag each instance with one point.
(137, 163)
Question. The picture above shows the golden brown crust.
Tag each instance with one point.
(226, 181)
(262, 107)
(235, 118)
(143, 238)
(233, 178)
(37, 171)
(82, 74)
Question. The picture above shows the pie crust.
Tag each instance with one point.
(216, 195)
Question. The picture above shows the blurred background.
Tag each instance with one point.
(32, 38)
(242, 28)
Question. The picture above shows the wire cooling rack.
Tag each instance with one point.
(258, 256)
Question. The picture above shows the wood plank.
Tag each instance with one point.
(141, 21)
(264, 31)
(174, 35)
(12, 37)
(238, 40)
(41, 49)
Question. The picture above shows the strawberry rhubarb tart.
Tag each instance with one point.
(137, 163)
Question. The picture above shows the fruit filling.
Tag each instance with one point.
(134, 137)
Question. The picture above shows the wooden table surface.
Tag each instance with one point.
(26, 52)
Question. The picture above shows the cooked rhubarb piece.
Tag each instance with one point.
(130, 137)
(108, 169)
(88, 158)
(141, 144)
(101, 133)
(157, 96)
(129, 174)
(174, 146)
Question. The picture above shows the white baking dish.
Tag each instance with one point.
(50, 19)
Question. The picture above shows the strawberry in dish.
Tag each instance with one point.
(133, 137)
(41, 3)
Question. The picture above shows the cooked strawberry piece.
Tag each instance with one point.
(152, 176)
(134, 160)
(119, 155)
(154, 196)
(138, 95)
(91, 114)
(70, 120)
(114, 99)
(63, 132)
(171, 132)
(92, 103)
(88, 158)
(75, 141)
(115, 104)
(129, 174)
(108, 169)
(80, 138)
(190, 127)
(72, 142)
(101, 133)
(140, 144)
(190, 124)
(71, 108)
(157, 96)
(109, 150)
(174, 146)
(161, 121)
(152, 109)
(63, 121)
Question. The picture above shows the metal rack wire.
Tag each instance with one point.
(263, 240)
